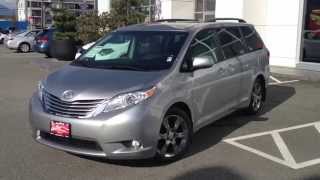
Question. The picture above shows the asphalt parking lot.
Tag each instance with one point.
(283, 143)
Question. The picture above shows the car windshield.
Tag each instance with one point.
(141, 51)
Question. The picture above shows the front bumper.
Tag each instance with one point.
(106, 135)
(12, 44)
(40, 48)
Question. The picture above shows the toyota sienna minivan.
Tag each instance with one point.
(144, 90)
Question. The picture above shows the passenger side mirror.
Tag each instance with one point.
(202, 62)
(81, 50)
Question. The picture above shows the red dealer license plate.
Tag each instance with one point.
(60, 129)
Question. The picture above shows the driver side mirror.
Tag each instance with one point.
(202, 62)
(81, 50)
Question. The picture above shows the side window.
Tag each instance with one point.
(252, 39)
(30, 34)
(204, 44)
(231, 42)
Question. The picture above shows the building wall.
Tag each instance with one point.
(104, 6)
(21, 12)
(278, 21)
(177, 9)
(229, 8)
(279, 27)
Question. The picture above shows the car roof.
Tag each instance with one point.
(179, 26)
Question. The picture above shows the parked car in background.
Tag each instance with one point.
(23, 42)
(11, 35)
(3, 36)
(144, 90)
(43, 41)
(83, 49)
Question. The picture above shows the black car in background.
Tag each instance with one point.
(43, 42)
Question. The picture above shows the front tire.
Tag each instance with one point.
(24, 48)
(174, 136)
(48, 55)
(257, 98)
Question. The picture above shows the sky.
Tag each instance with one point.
(8, 3)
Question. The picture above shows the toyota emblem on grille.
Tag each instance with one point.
(67, 95)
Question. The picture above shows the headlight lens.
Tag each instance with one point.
(40, 90)
(124, 100)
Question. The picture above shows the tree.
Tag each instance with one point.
(92, 26)
(127, 12)
(88, 27)
(65, 23)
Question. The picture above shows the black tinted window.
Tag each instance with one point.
(205, 44)
(252, 39)
(231, 43)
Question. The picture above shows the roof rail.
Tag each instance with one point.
(176, 20)
(227, 19)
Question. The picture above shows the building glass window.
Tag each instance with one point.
(205, 9)
(311, 32)
(36, 13)
(36, 4)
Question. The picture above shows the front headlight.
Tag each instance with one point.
(124, 100)
(40, 90)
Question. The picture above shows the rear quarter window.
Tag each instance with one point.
(231, 42)
(252, 38)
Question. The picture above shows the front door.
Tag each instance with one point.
(214, 89)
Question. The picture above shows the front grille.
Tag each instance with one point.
(76, 109)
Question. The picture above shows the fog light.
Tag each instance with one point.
(136, 144)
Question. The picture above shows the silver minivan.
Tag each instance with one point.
(143, 90)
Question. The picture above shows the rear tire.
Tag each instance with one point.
(257, 98)
(174, 136)
(48, 55)
(24, 47)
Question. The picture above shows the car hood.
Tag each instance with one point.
(91, 84)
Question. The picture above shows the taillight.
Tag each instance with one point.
(260, 45)
(43, 39)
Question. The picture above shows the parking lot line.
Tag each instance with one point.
(283, 148)
(284, 82)
(275, 79)
(276, 131)
(259, 153)
(278, 82)
(288, 159)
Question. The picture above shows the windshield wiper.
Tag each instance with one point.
(123, 67)
(82, 63)
(86, 62)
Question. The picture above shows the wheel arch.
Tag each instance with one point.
(24, 42)
(262, 78)
(183, 106)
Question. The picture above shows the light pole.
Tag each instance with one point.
(150, 10)
(43, 15)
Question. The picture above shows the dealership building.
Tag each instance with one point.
(289, 28)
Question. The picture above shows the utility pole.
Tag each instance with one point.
(150, 10)
(43, 15)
